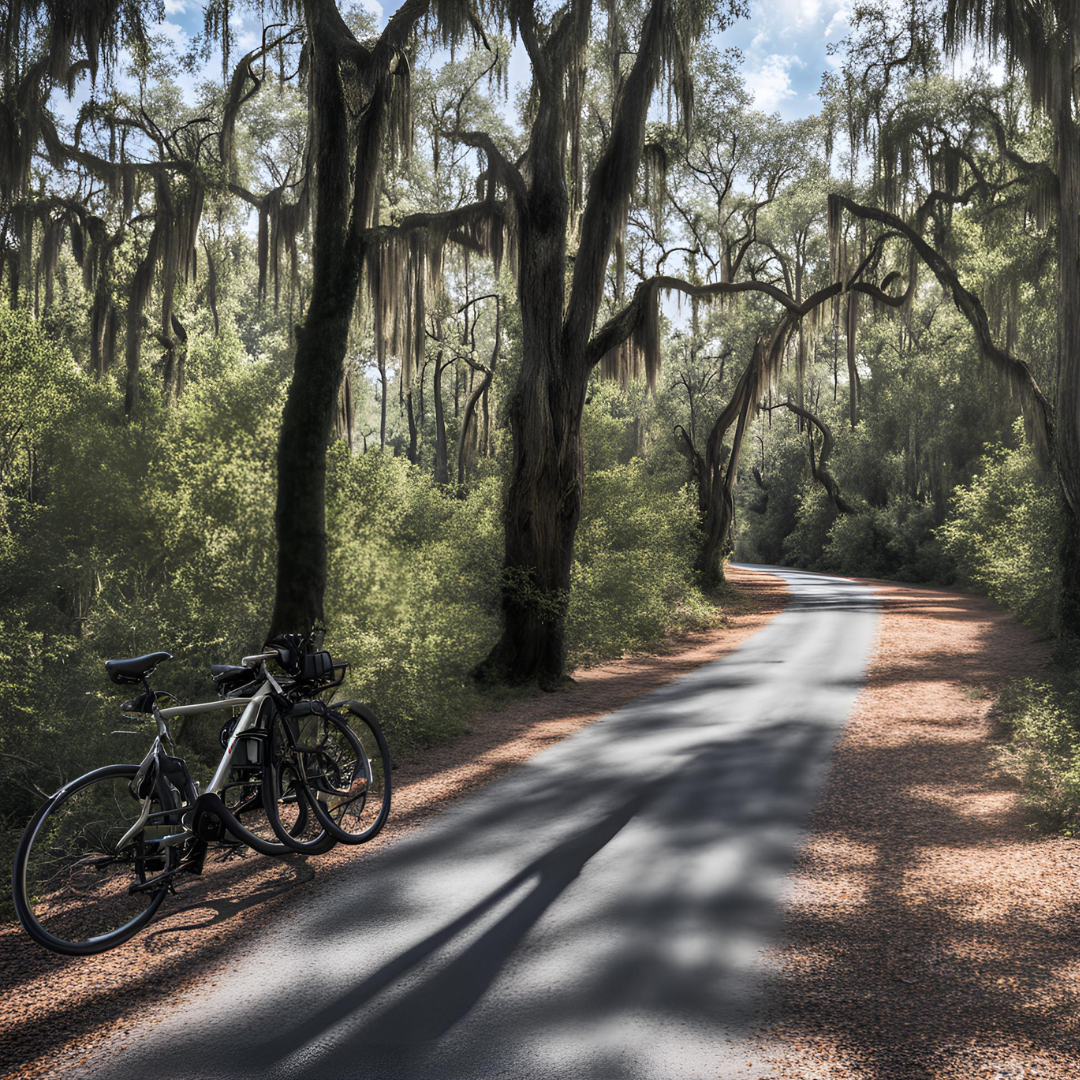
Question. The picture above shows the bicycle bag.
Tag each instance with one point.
(303, 665)
(314, 667)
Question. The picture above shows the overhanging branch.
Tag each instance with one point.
(1038, 413)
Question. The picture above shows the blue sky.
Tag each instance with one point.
(784, 45)
(783, 41)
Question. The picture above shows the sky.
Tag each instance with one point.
(784, 46)
(783, 43)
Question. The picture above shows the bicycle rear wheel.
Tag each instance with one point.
(73, 876)
(347, 771)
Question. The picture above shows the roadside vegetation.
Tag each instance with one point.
(837, 342)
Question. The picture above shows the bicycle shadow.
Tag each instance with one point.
(224, 908)
(426, 1012)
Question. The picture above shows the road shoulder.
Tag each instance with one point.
(929, 932)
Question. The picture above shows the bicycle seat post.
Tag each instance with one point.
(162, 724)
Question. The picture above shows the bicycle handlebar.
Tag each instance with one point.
(258, 658)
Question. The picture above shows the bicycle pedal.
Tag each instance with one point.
(194, 862)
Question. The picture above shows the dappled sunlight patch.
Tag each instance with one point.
(957, 958)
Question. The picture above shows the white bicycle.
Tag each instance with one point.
(296, 775)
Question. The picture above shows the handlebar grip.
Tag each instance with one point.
(258, 658)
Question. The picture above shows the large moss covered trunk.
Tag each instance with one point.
(543, 501)
(1067, 396)
(346, 157)
(307, 421)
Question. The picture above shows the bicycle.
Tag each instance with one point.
(98, 858)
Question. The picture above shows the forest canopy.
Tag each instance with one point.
(484, 333)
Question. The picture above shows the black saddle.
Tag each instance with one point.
(230, 677)
(136, 669)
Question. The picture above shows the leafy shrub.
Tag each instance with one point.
(1004, 532)
(896, 542)
(413, 597)
(804, 544)
(632, 578)
(1044, 753)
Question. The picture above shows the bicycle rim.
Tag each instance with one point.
(288, 807)
(347, 770)
(71, 876)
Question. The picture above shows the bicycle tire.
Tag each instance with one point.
(70, 883)
(287, 803)
(243, 796)
(348, 776)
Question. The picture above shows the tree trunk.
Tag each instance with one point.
(412, 453)
(344, 424)
(485, 442)
(382, 404)
(544, 496)
(543, 500)
(852, 366)
(467, 444)
(308, 418)
(718, 498)
(306, 426)
(442, 465)
(1069, 604)
(1067, 397)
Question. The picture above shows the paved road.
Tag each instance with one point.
(597, 914)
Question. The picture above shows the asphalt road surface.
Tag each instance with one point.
(598, 914)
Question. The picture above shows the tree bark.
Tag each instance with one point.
(412, 453)
(345, 190)
(468, 425)
(442, 460)
(852, 321)
(544, 496)
(1067, 397)
(543, 501)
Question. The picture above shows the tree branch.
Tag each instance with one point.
(1039, 413)
(501, 166)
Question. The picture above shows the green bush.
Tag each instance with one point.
(1004, 533)
(413, 600)
(897, 542)
(632, 578)
(1044, 752)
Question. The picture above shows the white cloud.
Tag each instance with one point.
(375, 8)
(174, 32)
(792, 18)
(839, 22)
(176, 7)
(769, 81)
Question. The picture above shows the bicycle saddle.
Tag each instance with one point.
(135, 669)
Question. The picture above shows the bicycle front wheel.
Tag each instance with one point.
(80, 870)
(346, 767)
(288, 807)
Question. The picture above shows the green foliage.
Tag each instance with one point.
(413, 600)
(1044, 751)
(1004, 533)
(895, 542)
(632, 578)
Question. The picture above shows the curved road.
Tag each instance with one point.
(597, 914)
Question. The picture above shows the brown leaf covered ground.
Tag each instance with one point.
(930, 932)
(54, 1010)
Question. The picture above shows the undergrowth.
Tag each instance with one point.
(1043, 752)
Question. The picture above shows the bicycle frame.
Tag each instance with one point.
(247, 721)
